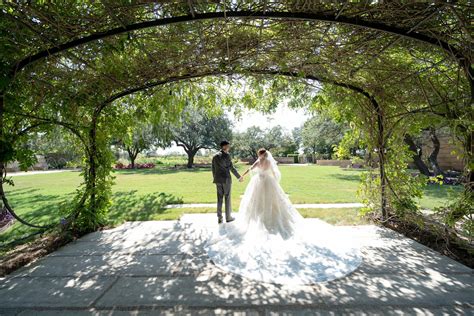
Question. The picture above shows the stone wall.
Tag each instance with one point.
(331, 162)
(39, 165)
(285, 159)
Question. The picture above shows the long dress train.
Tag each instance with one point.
(271, 242)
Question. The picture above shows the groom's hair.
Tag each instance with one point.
(224, 142)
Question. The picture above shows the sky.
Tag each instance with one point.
(284, 116)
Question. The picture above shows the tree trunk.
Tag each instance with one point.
(253, 155)
(469, 154)
(466, 65)
(420, 165)
(433, 157)
(368, 159)
(191, 153)
(132, 155)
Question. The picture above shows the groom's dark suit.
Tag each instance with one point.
(221, 168)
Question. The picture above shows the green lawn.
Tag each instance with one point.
(335, 216)
(141, 194)
(310, 184)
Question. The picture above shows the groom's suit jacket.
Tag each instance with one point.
(222, 166)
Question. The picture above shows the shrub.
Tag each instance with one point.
(444, 180)
(120, 166)
(148, 165)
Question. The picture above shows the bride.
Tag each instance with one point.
(271, 242)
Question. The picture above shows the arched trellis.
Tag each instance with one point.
(91, 148)
(340, 18)
(40, 123)
(381, 139)
(464, 61)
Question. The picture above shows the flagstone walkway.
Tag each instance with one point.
(158, 267)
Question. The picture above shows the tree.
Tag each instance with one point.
(274, 139)
(200, 130)
(143, 136)
(284, 142)
(433, 157)
(417, 155)
(296, 133)
(320, 135)
(247, 143)
(57, 145)
(427, 137)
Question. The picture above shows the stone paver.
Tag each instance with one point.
(58, 292)
(161, 268)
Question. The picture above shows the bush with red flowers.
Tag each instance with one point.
(149, 165)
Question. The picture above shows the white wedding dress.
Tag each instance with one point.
(271, 242)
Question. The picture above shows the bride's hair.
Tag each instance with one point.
(262, 151)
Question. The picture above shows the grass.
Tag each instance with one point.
(142, 194)
(438, 195)
(311, 184)
(335, 216)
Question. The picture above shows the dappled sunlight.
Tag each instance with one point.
(164, 263)
(89, 84)
(319, 253)
(47, 292)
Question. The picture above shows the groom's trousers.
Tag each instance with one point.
(223, 192)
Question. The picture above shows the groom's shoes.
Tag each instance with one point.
(228, 220)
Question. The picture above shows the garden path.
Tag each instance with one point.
(159, 266)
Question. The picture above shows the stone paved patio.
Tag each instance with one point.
(158, 267)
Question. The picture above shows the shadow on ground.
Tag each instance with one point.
(132, 206)
(157, 266)
(45, 209)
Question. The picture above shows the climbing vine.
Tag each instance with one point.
(390, 70)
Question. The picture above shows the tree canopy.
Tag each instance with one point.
(199, 130)
(247, 143)
(320, 135)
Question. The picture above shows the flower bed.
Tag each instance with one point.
(148, 165)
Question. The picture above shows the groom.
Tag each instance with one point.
(221, 168)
